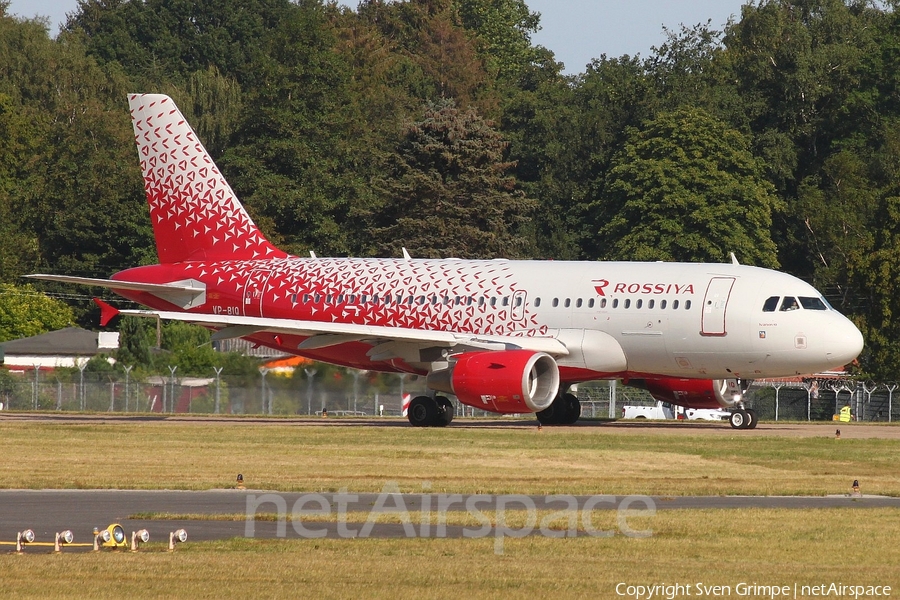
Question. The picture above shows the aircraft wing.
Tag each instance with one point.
(384, 339)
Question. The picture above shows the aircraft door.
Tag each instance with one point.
(714, 306)
(518, 305)
(254, 289)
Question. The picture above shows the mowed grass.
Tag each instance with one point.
(713, 547)
(516, 459)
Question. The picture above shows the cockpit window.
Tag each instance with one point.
(789, 303)
(813, 303)
(771, 304)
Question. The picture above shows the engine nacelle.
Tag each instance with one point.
(694, 393)
(507, 381)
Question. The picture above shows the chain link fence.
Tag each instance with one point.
(348, 392)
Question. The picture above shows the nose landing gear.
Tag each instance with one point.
(744, 418)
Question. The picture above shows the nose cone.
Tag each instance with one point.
(843, 343)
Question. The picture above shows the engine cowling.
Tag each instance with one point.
(695, 393)
(507, 381)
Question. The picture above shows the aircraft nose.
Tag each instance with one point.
(845, 342)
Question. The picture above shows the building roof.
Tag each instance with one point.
(71, 341)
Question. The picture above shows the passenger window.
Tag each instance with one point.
(789, 303)
(505, 301)
(651, 303)
(616, 303)
(627, 303)
(662, 304)
(537, 302)
(812, 303)
(555, 302)
(687, 305)
(518, 301)
(568, 303)
(305, 298)
(603, 303)
(674, 304)
(578, 303)
(421, 300)
(317, 298)
(352, 299)
(771, 304)
(639, 303)
(294, 298)
(493, 302)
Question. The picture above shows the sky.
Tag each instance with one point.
(575, 30)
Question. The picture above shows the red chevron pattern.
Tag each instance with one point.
(195, 213)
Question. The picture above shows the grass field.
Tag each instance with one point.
(154, 455)
(715, 547)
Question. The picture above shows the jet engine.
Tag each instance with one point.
(694, 393)
(506, 381)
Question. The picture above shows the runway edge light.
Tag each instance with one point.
(177, 536)
(111, 537)
(22, 538)
(62, 538)
(141, 536)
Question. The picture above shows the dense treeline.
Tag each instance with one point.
(438, 125)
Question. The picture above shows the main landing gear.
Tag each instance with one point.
(425, 411)
(744, 418)
(565, 410)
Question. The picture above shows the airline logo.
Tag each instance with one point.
(602, 287)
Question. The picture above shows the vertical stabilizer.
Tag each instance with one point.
(195, 213)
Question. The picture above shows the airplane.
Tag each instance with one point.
(504, 336)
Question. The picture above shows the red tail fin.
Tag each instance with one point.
(195, 214)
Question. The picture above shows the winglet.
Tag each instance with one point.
(107, 312)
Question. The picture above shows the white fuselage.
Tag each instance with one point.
(617, 319)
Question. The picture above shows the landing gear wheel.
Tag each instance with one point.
(740, 419)
(753, 419)
(550, 415)
(445, 411)
(423, 412)
(572, 409)
(565, 410)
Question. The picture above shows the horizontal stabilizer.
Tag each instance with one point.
(186, 294)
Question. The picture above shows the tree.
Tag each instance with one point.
(135, 340)
(24, 312)
(878, 282)
(503, 29)
(293, 159)
(447, 192)
(686, 187)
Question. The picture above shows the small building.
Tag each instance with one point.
(69, 347)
